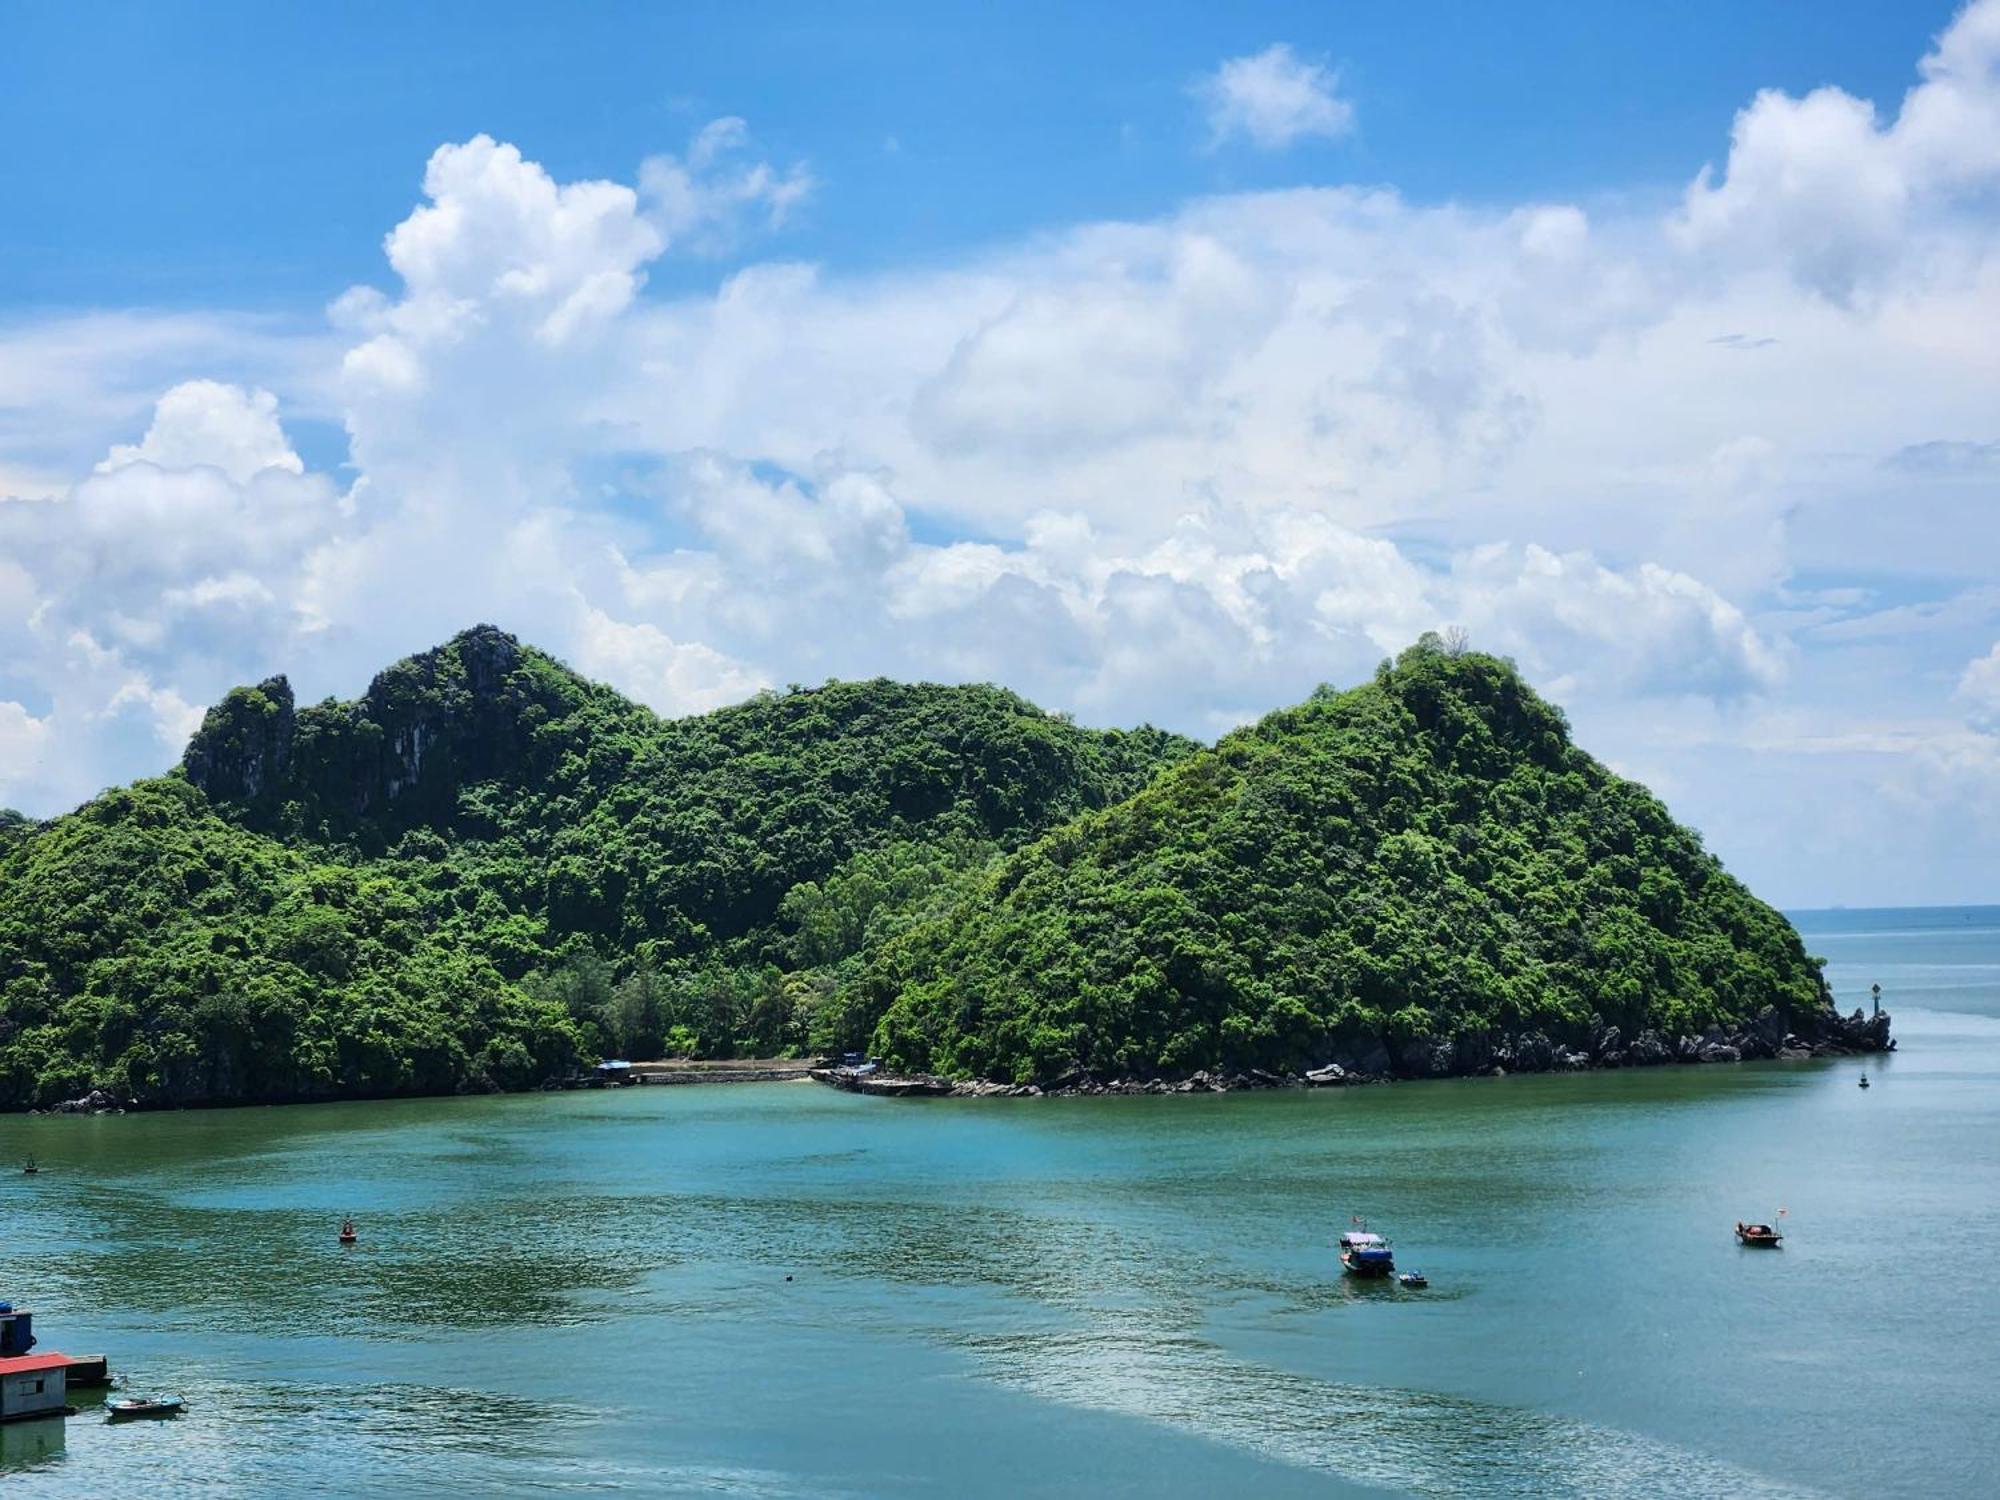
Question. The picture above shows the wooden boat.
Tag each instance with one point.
(1365, 1254)
(1414, 1279)
(1761, 1235)
(144, 1406)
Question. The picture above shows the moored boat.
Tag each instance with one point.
(1762, 1236)
(1366, 1254)
(1415, 1280)
(144, 1406)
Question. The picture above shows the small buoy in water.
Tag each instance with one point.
(347, 1234)
(788, 1278)
(1864, 1080)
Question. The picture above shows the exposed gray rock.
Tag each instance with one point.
(1648, 1050)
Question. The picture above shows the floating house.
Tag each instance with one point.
(33, 1385)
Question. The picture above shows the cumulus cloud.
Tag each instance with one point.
(1979, 689)
(205, 424)
(1272, 99)
(1179, 469)
(706, 199)
(668, 676)
(1823, 185)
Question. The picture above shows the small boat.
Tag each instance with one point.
(1414, 1279)
(1762, 1236)
(30, 1167)
(1365, 1254)
(144, 1406)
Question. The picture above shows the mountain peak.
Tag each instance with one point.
(397, 756)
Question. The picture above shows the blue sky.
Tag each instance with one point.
(1158, 369)
(173, 154)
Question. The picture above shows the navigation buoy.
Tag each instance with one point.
(347, 1234)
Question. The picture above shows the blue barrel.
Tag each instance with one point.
(17, 1333)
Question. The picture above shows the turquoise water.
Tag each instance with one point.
(587, 1292)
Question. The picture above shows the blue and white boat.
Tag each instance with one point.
(1366, 1254)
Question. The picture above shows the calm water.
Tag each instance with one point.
(1136, 1296)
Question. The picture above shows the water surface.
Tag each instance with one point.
(588, 1292)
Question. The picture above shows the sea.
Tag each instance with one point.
(776, 1290)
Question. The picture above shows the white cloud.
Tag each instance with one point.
(1574, 621)
(667, 676)
(1179, 469)
(1824, 187)
(1272, 99)
(1979, 689)
(205, 424)
(706, 199)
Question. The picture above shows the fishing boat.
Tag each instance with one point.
(1414, 1280)
(144, 1406)
(1366, 1254)
(1763, 1236)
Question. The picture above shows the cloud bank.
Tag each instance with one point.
(1699, 473)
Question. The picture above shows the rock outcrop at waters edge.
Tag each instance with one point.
(1835, 1035)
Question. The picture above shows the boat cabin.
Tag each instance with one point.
(1366, 1254)
(33, 1385)
(17, 1330)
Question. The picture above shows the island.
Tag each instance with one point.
(487, 872)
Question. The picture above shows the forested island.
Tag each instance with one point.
(487, 870)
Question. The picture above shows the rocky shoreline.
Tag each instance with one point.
(1467, 1056)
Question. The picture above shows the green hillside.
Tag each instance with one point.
(1408, 876)
(487, 866)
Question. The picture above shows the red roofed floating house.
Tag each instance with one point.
(33, 1385)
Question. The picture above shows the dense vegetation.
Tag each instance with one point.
(488, 867)
(1424, 858)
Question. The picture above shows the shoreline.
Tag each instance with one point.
(1476, 1055)
(668, 1072)
(1473, 1055)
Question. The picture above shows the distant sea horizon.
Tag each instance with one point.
(1931, 958)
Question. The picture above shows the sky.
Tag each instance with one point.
(1158, 371)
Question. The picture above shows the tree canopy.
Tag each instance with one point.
(487, 868)
(488, 865)
(1424, 856)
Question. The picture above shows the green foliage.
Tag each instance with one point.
(1421, 857)
(148, 946)
(488, 867)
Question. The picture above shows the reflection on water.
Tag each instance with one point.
(1418, 1442)
(1127, 1295)
(29, 1445)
